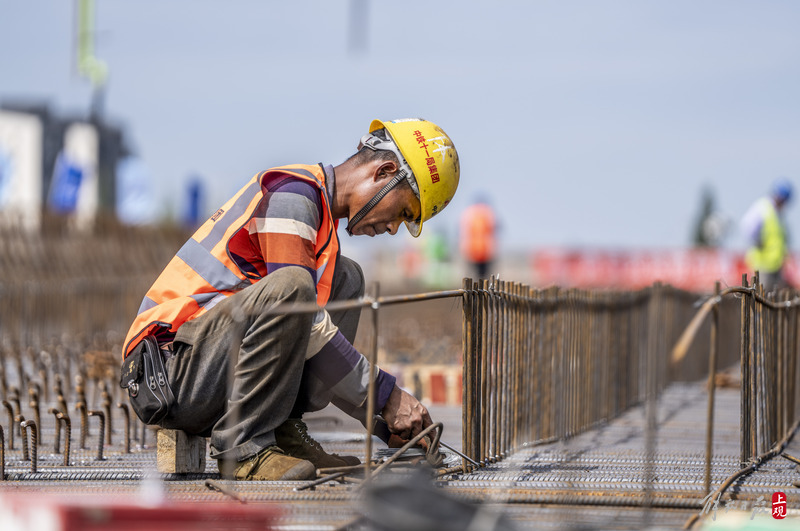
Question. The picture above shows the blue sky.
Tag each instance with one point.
(587, 123)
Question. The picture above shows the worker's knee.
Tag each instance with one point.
(290, 284)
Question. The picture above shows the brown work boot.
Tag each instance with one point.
(293, 438)
(270, 464)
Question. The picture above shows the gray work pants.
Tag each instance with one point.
(238, 374)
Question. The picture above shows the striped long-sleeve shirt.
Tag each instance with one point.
(283, 233)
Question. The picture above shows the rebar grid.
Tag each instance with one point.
(768, 360)
(541, 365)
(538, 364)
(770, 394)
(769, 371)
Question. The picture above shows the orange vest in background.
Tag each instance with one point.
(202, 272)
(478, 233)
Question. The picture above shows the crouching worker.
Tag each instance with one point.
(206, 356)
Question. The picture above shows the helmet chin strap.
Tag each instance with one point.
(397, 179)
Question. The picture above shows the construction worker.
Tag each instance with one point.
(478, 228)
(766, 235)
(243, 376)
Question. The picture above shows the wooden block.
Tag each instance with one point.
(180, 453)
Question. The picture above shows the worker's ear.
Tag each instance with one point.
(384, 169)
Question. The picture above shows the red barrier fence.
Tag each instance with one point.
(689, 269)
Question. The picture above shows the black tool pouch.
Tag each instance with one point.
(145, 377)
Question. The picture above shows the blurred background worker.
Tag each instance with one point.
(478, 236)
(766, 235)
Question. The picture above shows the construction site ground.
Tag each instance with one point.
(594, 480)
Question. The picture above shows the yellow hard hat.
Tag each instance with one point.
(432, 159)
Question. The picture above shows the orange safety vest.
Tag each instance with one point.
(202, 272)
(477, 233)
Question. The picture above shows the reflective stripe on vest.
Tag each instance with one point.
(202, 272)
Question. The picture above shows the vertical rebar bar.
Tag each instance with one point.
(491, 374)
(15, 400)
(34, 455)
(18, 420)
(57, 386)
(496, 390)
(80, 390)
(548, 362)
(744, 412)
(528, 384)
(101, 433)
(467, 372)
(11, 430)
(791, 372)
(61, 417)
(84, 416)
(651, 369)
(753, 361)
(62, 404)
(106, 404)
(712, 372)
(759, 346)
(3, 381)
(373, 360)
(2, 455)
(500, 371)
(44, 392)
(483, 371)
(517, 389)
(783, 370)
(57, 439)
(143, 437)
(33, 393)
(126, 417)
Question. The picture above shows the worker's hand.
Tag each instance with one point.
(404, 414)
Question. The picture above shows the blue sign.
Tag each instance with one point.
(6, 174)
(67, 178)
